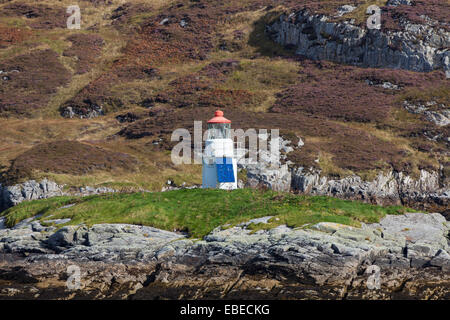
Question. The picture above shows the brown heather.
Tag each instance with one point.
(67, 157)
(164, 74)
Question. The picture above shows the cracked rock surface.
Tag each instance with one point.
(410, 254)
(419, 47)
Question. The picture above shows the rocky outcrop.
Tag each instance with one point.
(92, 111)
(416, 47)
(278, 178)
(387, 188)
(268, 171)
(429, 191)
(33, 190)
(440, 117)
(401, 257)
(171, 185)
(29, 190)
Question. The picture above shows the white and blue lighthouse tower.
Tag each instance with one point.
(219, 163)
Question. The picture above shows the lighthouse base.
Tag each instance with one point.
(210, 178)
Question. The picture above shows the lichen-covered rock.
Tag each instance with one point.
(29, 190)
(110, 242)
(23, 240)
(345, 9)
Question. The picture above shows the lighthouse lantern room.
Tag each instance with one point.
(219, 164)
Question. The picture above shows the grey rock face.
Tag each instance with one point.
(94, 111)
(440, 118)
(417, 47)
(425, 233)
(87, 191)
(33, 190)
(387, 188)
(417, 234)
(66, 237)
(110, 242)
(29, 190)
(329, 258)
(385, 85)
(385, 185)
(22, 240)
(391, 187)
(442, 259)
(278, 179)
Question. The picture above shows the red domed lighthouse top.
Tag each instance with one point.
(219, 118)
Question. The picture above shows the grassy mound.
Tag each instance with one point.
(69, 157)
(199, 211)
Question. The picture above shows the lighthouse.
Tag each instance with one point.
(219, 169)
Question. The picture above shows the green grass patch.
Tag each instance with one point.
(199, 211)
(263, 74)
(440, 94)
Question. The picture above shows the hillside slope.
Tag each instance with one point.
(137, 70)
